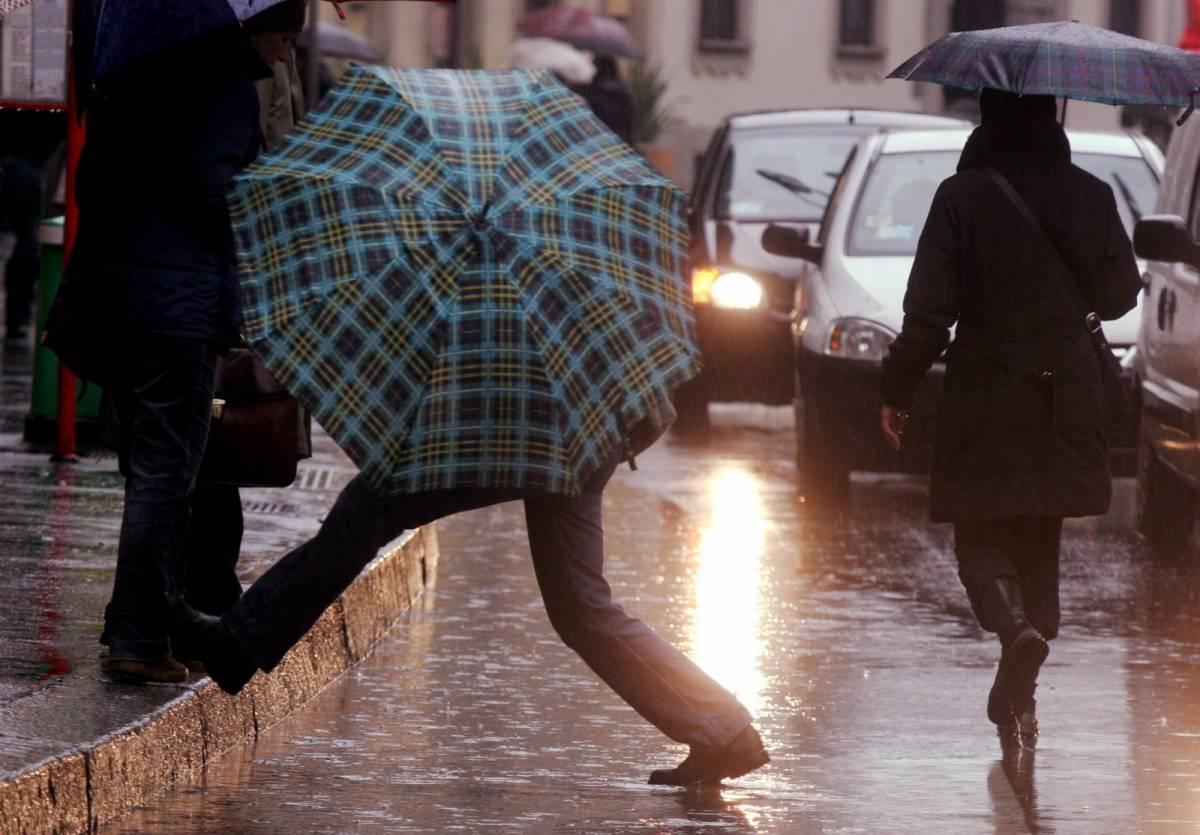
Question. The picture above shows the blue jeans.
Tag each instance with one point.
(566, 540)
(164, 404)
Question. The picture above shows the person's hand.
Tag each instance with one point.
(893, 421)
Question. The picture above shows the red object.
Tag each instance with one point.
(1190, 39)
(64, 441)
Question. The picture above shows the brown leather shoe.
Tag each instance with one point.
(164, 670)
(739, 757)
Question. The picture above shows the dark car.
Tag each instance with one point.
(760, 168)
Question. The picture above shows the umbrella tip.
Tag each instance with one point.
(1190, 108)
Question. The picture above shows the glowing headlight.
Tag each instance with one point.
(736, 290)
(859, 339)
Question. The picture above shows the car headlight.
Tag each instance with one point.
(859, 339)
(731, 289)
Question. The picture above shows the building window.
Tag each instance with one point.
(857, 24)
(722, 26)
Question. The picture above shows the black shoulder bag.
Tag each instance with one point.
(1116, 399)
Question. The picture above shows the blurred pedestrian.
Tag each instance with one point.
(1021, 436)
(28, 138)
(609, 97)
(166, 133)
(214, 539)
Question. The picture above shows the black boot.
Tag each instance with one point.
(1023, 649)
(224, 659)
(706, 766)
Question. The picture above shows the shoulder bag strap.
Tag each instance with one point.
(1056, 259)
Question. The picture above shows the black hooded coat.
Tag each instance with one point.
(1010, 439)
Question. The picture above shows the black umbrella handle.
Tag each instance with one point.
(1191, 106)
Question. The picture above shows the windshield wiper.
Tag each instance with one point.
(789, 182)
(1127, 193)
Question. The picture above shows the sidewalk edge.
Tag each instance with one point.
(83, 788)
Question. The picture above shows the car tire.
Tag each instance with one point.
(822, 472)
(691, 407)
(1166, 507)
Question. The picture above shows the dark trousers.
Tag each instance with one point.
(21, 196)
(164, 404)
(211, 549)
(1024, 548)
(566, 540)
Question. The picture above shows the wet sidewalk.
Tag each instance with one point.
(59, 526)
(848, 636)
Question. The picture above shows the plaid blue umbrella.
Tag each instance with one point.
(1066, 59)
(467, 278)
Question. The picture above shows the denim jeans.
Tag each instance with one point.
(1024, 548)
(164, 404)
(566, 540)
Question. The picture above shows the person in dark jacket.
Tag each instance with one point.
(609, 97)
(213, 543)
(165, 136)
(28, 138)
(1020, 440)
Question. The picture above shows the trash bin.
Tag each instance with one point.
(40, 423)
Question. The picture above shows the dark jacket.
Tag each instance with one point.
(165, 137)
(1005, 443)
(609, 98)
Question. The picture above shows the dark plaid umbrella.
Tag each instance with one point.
(580, 28)
(466, 277)
(1066, 59)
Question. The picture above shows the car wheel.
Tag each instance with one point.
(691, 407)
(822, 473)
(1166, 507)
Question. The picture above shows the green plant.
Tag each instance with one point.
(651, 113)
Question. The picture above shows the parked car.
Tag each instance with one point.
(760, 168)
(849, 299)
(1167, 366)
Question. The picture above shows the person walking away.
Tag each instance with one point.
(28, 138)
(1020, 441)
(566, 540)
(214, 539)
(609, 97)
(166, 134)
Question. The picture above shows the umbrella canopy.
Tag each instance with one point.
(581, 29)
(466, 277)
(339, 42)
(7, 6)
(1066, 59)
(562, 59)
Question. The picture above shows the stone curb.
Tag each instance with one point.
(81, 789)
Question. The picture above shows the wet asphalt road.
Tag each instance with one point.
(848, 637)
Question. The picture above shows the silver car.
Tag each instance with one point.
(849, 297)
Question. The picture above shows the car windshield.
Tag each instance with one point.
(900, 188)
(782, 174)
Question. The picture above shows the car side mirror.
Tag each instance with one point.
(791, 242)
(1165, 238)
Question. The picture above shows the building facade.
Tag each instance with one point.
(723, 56)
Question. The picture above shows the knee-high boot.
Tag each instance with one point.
(1023, 649)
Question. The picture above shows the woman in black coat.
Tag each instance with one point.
(1020, 438)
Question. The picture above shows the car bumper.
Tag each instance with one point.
(847, 394)
(747, 355)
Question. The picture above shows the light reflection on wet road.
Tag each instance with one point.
(849, 638)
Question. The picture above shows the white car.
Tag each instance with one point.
(849, 299)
